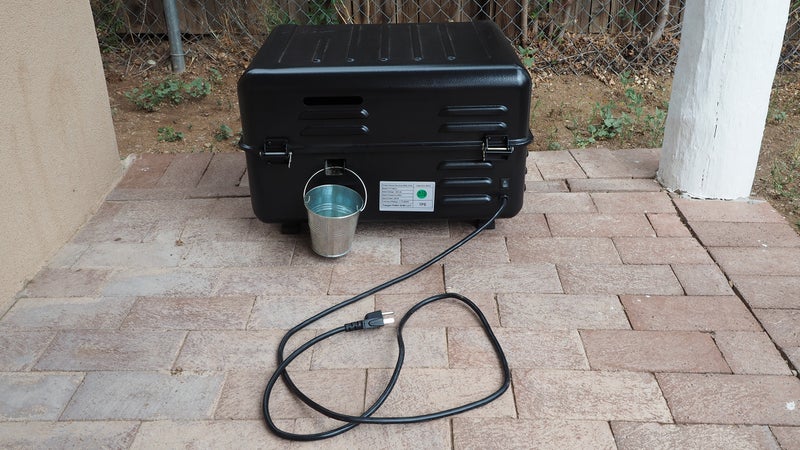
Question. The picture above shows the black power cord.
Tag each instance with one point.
(377, 319)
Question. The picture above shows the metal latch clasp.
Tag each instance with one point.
(276, 151)
(496, 145)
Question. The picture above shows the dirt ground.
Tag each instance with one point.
(564, 108)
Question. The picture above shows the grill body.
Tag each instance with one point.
(433, 117)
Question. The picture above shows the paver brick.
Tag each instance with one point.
(531, 171)
(533, 224)
(605, 163)
(66, 313)
(668, 225)
(788, 437)
(65, 283)
(19, 350)
(206, 230)
(556, 165)
(434, 434)
(750, 352)
(522, 434)
(404, 229)
(151, 211)
(339, 390)
(68, 435)
(613, 185)
(274, 280)
(534, 278)
(661, 250)
(221, 177)
(239, 254)
(166, 233)
(727, 211)
(146, 170)
(425, 347)
(688, 313)
(189, 313)
(561, 312)
(558, 202)
(732, 399)
(284, 312)
(654, 436)
(173, 282)
(67, 256)
(144, 396)
(589, 395)
(132, 231)
(111, 350)
(758, 260)
(599, 225)
(364, 250)
(121, 254)
(633, 202)
(702, 279)
(546, 186)
(235, 350)
(422, 391)
(239, 434)
(185, 170)
(35, 396)
(562, 250)
(359, 278)
(447, 312)
(620, 279)
(487, 249)
(783, 325)
(232, 207)
(746, 234)
(551, 349)
(652, 351)
(793, 353)
(763, 291)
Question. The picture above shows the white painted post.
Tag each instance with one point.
(720, 95)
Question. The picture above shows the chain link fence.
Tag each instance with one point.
(555, 36)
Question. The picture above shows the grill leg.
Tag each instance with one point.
(291, 228)
(479, 222)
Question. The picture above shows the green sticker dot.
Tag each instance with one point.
(422, 193)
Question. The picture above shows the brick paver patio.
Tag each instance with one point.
(631, 318)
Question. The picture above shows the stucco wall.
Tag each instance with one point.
(58, 152)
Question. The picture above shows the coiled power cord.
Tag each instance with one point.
(377, 319)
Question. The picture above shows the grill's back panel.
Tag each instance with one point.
(433, 117)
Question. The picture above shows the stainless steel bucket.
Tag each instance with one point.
(333, 212)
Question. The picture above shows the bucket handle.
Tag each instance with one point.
(305, 189)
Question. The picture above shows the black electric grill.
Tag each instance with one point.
(433, 117)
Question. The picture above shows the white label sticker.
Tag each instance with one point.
(410, 196)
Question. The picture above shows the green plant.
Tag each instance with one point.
(634, 100)
(779, 117)
(273, 15)
(625, 78)
(785, 178)
(216, 76)
(149, 97)
(552, 140)
(168, 134)
(322, 12)
(526, 54)
(607, 125)
(654, 124)
(542, 8)
(223, 133)
(109, 24)
(197, 88)
(628, 15)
